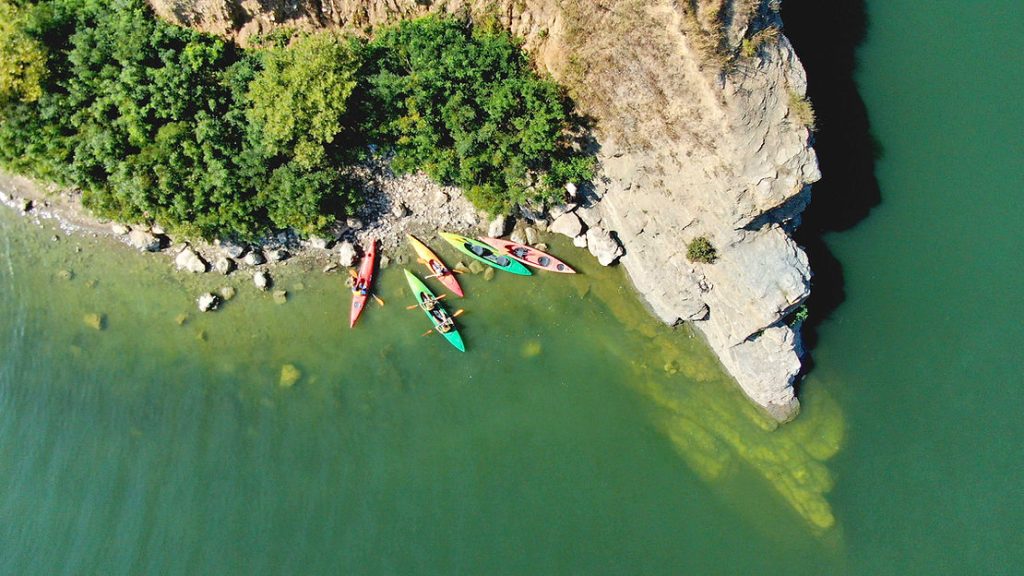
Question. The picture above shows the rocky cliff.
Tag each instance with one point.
(696, 109)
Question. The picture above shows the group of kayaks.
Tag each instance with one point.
(504, 255)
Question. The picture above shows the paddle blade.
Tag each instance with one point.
(426, 333)
(458, 313)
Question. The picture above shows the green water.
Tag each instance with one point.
(576, 435)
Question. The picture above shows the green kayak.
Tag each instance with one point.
(443, 322)
(487, 254)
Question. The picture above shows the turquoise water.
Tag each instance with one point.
(576, 435)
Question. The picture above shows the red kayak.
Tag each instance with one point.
(363, 282)
(530, 256)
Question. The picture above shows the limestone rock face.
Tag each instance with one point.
(142, 240)
(567, 224)
(604, 246)
(190, 261)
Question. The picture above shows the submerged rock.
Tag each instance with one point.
(489, 273)
(476, 267)
(280, 296)
(532, 236)
(180, 319)
(290, 374)
(95, 320)
(207, 302)
(227, 293)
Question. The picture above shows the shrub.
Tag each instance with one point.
(801, 110)
(701, 250)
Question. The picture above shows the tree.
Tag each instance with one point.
(22, 58)
(297, 102)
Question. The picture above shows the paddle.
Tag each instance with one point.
(441, 297)
(377, 298)
(426, 333)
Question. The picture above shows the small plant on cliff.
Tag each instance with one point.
(752, 45)
(801, 110)
(701, 250)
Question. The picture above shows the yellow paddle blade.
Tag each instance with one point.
(427, 332)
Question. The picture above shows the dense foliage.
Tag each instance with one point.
(701, 250)
(465, 106)
(156, 122)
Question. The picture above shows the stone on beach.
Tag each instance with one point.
(224, 265)
(231, 249)
(119, 229)
(262, 280)
(277, 255)
(347, 254)
(604, 246)
(142, 240)
(567, 224)
(254, 258)
(190, 261)
(208, 301)
(498, 226)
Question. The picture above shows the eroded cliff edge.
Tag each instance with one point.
(697, 137)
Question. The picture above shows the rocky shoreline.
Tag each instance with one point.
(394, 206)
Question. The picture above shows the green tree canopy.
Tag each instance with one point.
(22, 58)
(297, 102)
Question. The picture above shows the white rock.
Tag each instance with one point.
(277, 255)
(144, 241)
(157, 229)
(231, 249)
(189, 260)
(224, 265)
(604, 246)
(571, 189)
(517, 235)
(532, 236)
(591, 216)
(580, 241)
(319, 243)
(558, 209)
(498, 227)
(347, 254)
(254, 258)
(208, 301)
(261, 279)
(567, 224)
(119, 229)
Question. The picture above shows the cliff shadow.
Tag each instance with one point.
(826, 36)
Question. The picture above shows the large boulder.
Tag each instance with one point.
(567, 224)
(262, 280)
(604, 246)
(142, 240)
(254, 258)
(277, 255)
(231, 249)
(224, 265)
(498, 227)
(191, 261)
(207, 302)
(347, 254)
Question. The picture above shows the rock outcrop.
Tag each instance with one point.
(696, 138)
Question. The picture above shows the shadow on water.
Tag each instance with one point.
(826, 36)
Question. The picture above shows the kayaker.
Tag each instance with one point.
(438, 269)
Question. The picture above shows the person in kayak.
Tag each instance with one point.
(439, 269)
(360, 287)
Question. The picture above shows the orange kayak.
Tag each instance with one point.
(437, 268)
(530, 256)
(361, 286)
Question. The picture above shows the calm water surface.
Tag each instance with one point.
(576, 435)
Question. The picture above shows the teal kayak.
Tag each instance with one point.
(443, 322)
(487, 254)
